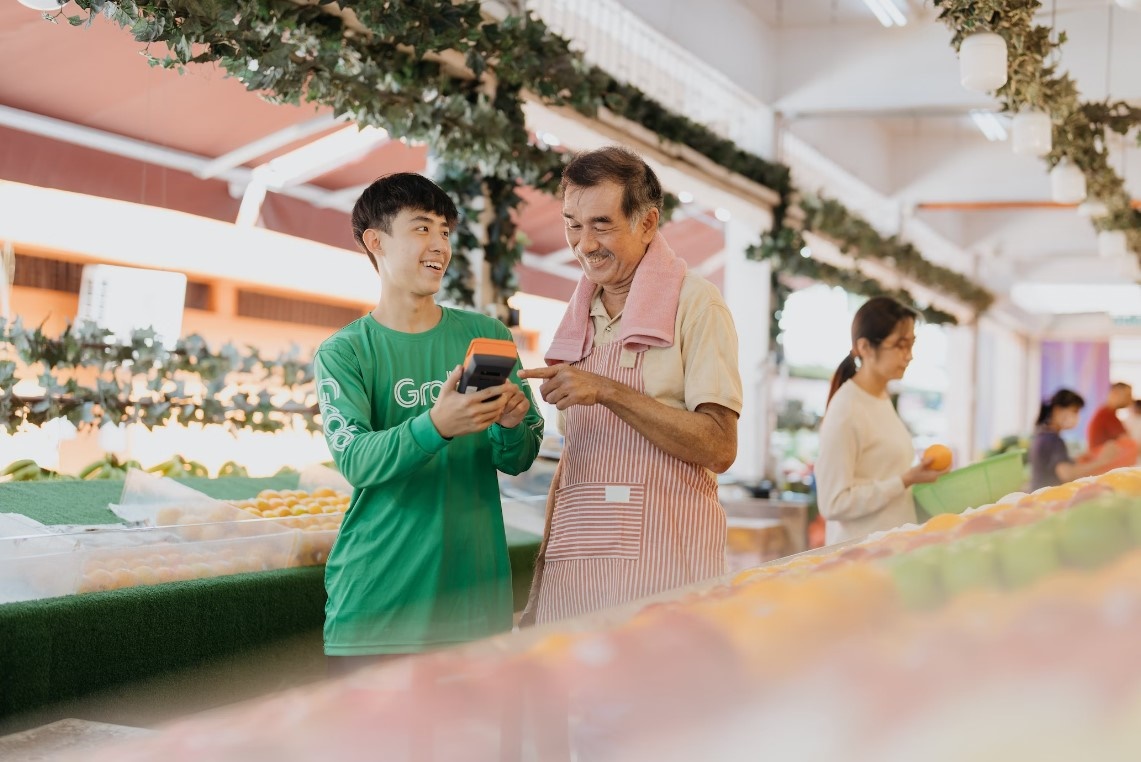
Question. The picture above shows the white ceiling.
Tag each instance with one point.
(886, 106)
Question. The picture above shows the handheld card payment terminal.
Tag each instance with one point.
(488, 363)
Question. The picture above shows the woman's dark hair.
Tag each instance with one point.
(874, 321)
(387, 197)
(1062, 398)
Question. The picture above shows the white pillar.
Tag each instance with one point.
(747, 295)
(961, 400)
(994, 395)
(481, 286)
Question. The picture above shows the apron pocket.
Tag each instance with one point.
(596, 520)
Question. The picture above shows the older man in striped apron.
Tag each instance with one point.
(643, 370)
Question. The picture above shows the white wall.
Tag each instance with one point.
(845, 68)
(858, 146)
(724, 33)
(746, 293)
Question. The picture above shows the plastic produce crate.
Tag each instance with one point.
(972, 486)
(40, 566)
(761, 530)
(118, 558)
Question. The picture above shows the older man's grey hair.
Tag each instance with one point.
(641, 189)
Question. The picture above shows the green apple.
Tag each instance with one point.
(1093, 533)
(1133, 518)
(917, 577)
(1026, 554)
(970, 563)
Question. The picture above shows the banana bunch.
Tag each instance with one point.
(27, 470)
(230, 468)
(179, 467)
(109, 467)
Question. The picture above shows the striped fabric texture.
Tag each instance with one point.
(628, 520)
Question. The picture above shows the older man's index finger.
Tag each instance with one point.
(547, 372)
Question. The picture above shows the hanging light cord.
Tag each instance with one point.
(1108, 49)
(1054, 29)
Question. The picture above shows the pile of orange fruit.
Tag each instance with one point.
(295, 502)
(317, 514)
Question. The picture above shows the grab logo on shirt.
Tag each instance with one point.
(410, 394)
(338, 431)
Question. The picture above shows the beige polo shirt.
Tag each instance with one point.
(701, 365)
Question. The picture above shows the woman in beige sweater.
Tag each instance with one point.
(867, 461)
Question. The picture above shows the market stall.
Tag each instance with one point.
(63, 647)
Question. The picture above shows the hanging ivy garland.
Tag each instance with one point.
(784, 247)
(858, 239)
(789, 262)
(379, 62)
(88, 379)
(1080, 128)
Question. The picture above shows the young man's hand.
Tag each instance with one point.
(565, 385)
(456, 414)
(515, 407)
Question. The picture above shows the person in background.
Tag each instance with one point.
(421, 559)
(866, 465)
(1050, 461)
(1105, 426)
(1133, 422)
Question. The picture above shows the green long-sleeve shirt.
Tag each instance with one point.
(421, 559)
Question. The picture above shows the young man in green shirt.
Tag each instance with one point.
(421, 559)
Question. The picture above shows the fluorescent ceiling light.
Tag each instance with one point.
(887, 12)
(550, 139)
(989, 124)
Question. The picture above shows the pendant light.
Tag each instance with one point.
(982, 62)
(1032, 133)
(1093, 209)
(1112, 243)
(1067, 183)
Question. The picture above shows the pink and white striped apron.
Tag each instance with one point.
(627, 520)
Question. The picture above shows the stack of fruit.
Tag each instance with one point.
(317, 514)
(271, 503)
(27, 470)
(111, 570)
(179, 467)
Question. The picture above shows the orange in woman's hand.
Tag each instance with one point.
(939, 457)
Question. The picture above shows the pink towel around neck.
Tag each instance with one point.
(647, 319)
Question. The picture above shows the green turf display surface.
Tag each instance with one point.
(61, 648)
(56, 649)
(85, 502)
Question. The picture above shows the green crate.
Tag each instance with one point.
(978, 484)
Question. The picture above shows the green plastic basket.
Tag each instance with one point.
(978, 484)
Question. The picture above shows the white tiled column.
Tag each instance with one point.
(960, 403)
(747, 295)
